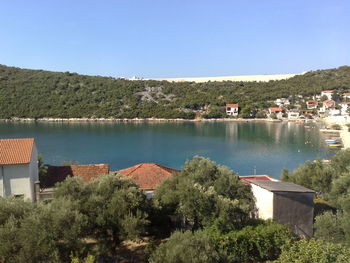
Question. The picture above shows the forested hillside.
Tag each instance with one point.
(38, 93)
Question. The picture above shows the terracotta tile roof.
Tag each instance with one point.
(148, 175)
(274, 109)
(327, 91)
(16, 151)
(256, 177)
(311, 102)
(87, 172)
(232, 105)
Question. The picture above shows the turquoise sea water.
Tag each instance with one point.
(242, 146)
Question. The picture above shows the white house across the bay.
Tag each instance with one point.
(232, 109)
(18, 168)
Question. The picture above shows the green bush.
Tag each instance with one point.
(186, 247)
(314, 251)
(253, 243)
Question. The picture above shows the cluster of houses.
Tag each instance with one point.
(283, 202)
(328, 103)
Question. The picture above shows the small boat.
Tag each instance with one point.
(332, 141)
(334, 145)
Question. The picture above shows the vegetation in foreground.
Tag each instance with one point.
(211, 221)
(37, 93)
(332, 183)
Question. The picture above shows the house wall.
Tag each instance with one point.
(263, 202)
(18, 179)
(14, 180)
(33, 171)
(295, 210)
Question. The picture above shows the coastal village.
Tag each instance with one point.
(329, 107)
(287, 203)
(273, 198)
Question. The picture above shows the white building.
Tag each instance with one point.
(292, 115)
(286, 203)
(344, 108)
(282, 102)
(327, 93)
(232, 109)
(18, 168)
(311, 104)
(346, 96)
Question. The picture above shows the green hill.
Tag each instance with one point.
(37, 93)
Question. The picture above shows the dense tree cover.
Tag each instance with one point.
(320, 176)
(106, 211)
(258, 243)
(187, 247)
(332, 182)
(254, 243)
(38, 93)
(116, 209)
(206, 194)
(314, 251)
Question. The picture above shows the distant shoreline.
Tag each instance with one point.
(80, 120)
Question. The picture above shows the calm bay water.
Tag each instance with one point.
(239, 145)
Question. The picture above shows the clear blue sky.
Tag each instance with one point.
(178, 38)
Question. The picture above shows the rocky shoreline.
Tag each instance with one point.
(132, 120)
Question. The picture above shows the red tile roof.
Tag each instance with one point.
(256, 177)
(274, 109)
(148, 175)
(16, 151)
(87, 172)
(232, 105)
(311, 102)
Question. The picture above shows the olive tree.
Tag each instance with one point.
(116, 209)
(205, 193)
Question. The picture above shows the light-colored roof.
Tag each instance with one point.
(148, 175)
(281, 186)
(327, 91)
(16, 151)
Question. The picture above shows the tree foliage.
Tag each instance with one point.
(116, 209)
(106, 211)
(314, 251)
(37, 93)
(205, 193)
(255, 243)
(187, 247)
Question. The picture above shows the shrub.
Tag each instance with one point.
(253, 243)
(186, 247)
(314, 251)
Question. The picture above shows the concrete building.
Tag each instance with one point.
(327, 93)
(18, 168)
(276, 110)
(293, 115)
(344, 108)
(311, 104)
(286, 203)
(232, 109)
